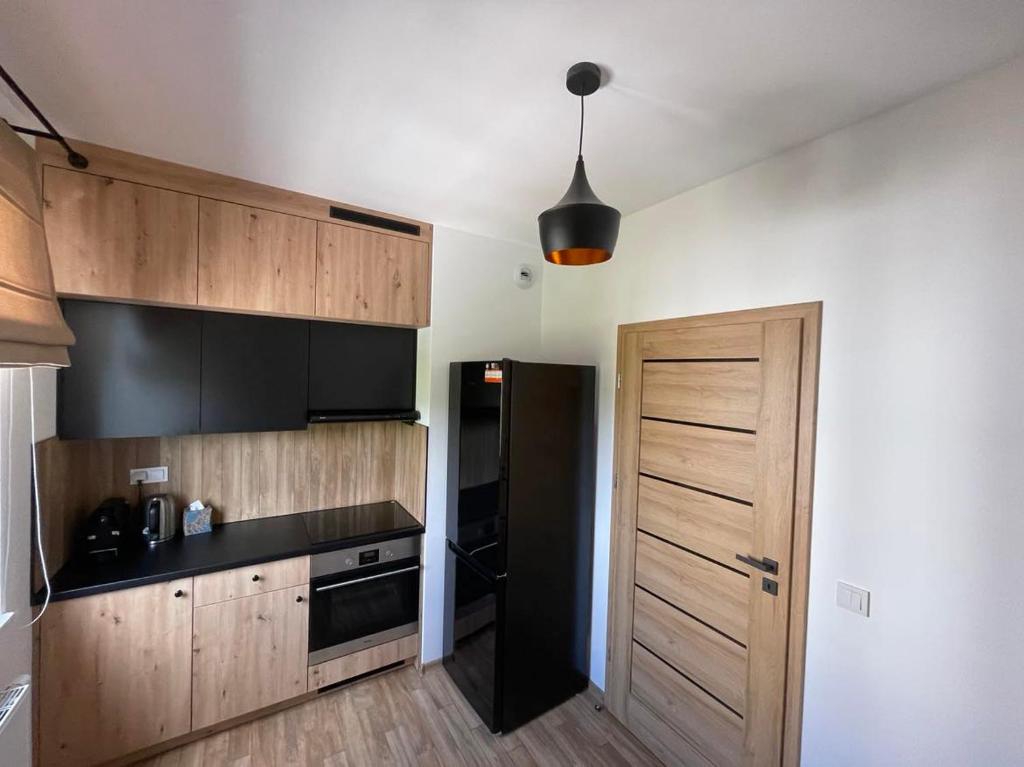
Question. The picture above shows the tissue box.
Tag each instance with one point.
(196, 521)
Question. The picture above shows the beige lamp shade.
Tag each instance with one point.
(32, 328)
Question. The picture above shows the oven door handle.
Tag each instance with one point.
(367, 578)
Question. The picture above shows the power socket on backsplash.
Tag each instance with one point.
(147, 476)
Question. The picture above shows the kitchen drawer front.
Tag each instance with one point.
(246, 581)
(362, 662)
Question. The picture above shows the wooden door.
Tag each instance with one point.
(248, 653)
(255, 260)
(115, 673)
(714, 443)
(115, 239)
(367, 276)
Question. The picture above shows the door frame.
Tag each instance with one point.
(623, 521)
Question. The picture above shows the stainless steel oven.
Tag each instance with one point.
(362, 597)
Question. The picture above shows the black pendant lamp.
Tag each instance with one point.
(580, 230)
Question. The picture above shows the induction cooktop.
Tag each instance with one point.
(373, 521)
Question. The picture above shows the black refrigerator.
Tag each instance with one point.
(520, 529)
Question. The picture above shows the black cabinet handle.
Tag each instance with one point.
(179, 594)
(764, 565)
(298, 598)
(255, 578)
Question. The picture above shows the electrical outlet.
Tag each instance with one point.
(147, 476)
(852, 598)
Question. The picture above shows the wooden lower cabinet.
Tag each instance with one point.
(123, 672)
(248, 653)
(114, 673)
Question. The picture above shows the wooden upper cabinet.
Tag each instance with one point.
(116, 239)
(141, 230)
(115, 673)
(254, 259)
(365, 276)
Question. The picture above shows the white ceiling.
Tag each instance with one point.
(455, 111)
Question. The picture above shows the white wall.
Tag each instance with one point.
(16, 542)
(910, 227)
(477, 313)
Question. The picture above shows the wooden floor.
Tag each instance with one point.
(403, 718)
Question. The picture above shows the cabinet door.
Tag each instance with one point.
(371, 277)
(254, 373)
(134, 371)
(257, 260)
(115, 239)
(248, 653)
(361, 368)
(115, 673)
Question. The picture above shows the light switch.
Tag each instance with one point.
(852, 598)
(147, 476)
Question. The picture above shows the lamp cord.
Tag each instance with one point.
(581, 128)
(35, 495)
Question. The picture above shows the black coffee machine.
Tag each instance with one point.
(108, 532)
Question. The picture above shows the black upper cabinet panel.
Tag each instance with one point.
(254, 373)
(361, 368)
(134, 372)
(144, 371)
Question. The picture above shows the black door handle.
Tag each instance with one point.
(764, 565)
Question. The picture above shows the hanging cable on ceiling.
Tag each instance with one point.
(75, 159)
(579, 154)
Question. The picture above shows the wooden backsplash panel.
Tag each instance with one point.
(230, 475)
(352, 464)
(243, 476)
(75, 476)
(410, 478)
(283, 472)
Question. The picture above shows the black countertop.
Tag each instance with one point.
(236, 544)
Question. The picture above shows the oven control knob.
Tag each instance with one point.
(348, 561)
(388, 554)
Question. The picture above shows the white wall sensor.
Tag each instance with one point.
(523, 276)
